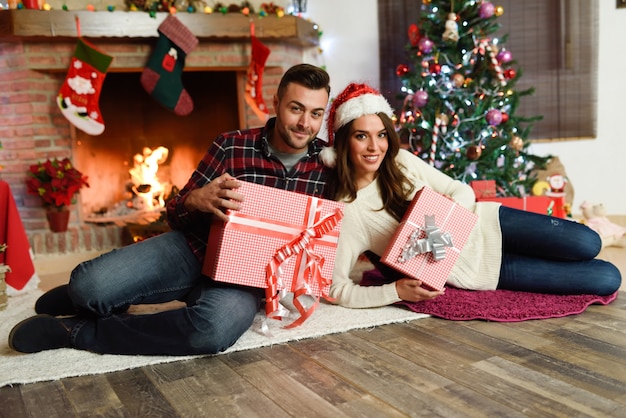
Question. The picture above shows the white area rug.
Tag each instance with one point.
(17, 368)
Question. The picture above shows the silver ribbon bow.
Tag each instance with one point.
(435, 241)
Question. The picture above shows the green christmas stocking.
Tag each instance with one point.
(79, 95)
(162, 76)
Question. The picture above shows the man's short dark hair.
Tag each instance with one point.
(307, 75)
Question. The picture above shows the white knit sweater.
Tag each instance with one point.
(365, 227)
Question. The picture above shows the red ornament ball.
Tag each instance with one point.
(510, 73)
(435, 68)
(505, 117)
(402, 69)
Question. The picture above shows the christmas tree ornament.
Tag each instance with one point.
(485, 48)
(486, 10)
(473, 152)
(254, 80)
(494, 117)
(420, 98)
(510, 73)
(434, 68)
(499, 11)
(516, 143)
(79, 96)
(402, 69)
(505, 117)
(458, 80)
(425, 45)
(414, 34)
(451, 33)
(504, 56)
(162, 76)
(440, 127)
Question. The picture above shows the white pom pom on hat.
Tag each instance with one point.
(356, 100)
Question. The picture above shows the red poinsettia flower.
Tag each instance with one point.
(55, 181)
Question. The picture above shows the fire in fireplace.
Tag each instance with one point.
(141, 140)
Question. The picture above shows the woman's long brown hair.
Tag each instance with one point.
(394, 187)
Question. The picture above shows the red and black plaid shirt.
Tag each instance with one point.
(245, 156)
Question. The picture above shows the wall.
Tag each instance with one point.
(595, 167)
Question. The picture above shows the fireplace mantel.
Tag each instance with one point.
(51, 25)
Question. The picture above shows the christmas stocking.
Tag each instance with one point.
(162, 76)
(254, 82)
(79, 95)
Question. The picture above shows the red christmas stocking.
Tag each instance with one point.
(162, 76)
(254, 82)
(79, 95)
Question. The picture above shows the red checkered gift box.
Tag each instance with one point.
(280, 241)
(430, 238)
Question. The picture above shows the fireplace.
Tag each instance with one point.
(134, 122)
(34, 57)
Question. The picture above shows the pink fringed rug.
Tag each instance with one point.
(496, 305)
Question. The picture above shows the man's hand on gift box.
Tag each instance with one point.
(411, 290)
(216, 197)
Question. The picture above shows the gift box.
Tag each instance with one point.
(483, 188)
(429, 239)
(278, 240)
(538, 204)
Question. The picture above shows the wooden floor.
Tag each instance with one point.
(566, 367)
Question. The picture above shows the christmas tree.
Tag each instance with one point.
(459, 97)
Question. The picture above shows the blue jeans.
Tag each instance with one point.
(544, 254)
(156, 270)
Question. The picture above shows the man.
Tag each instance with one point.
(90, 312)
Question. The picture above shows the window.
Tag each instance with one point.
(555, 44)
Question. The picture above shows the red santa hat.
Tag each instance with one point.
(354, 101)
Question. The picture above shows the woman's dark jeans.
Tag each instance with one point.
(544, 254)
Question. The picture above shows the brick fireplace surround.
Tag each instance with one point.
(35, 50)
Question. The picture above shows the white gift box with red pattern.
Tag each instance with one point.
(279, 240)
(429, 239)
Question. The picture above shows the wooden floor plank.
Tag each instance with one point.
(11, 402)
(52, 394)
(567, 400)
(208, 387)
(93, 396)
(139, 395)
(396, 380)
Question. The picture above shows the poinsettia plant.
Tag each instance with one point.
(56, 182)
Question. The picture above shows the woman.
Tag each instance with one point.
(507, 249)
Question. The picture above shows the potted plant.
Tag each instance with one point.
(56, 182)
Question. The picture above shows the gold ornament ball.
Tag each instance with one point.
(458, 79)
(499, 11)
(473, 152)
(443, 118)
(516, 143)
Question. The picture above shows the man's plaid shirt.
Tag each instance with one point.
(245, 156)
